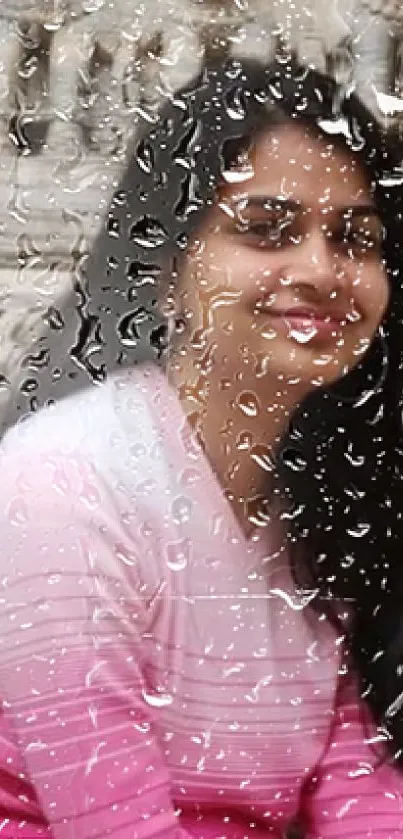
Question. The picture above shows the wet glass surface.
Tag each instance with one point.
(200, 403)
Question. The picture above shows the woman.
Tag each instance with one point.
(200, 632)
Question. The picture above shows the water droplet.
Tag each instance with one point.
(360, 530)
(298, 602)
(53, 319)
(128, 326)
(36, 361)
(181, 509)
(189, 477)
(362, 769)
(238, 176)
(303, 336)
(184, 152)
(189, 202)
(37, 746)
(146, 488)
(93, 759)
(294, 459)
(394, 707)
(178, 554)
(91, 6)
(212, 562)
(253, 696)
(145, 157)
(218, 525)
(268, 331)
(244, 441)
(17, 511)
(248, 403)
(347, 561)
(258, 511)
(142, 273)
(148, 232)
(113, 227)
(157, 700)
(235, 104)
(355, 460)
(263, 457)
(90, 676)
(124, 554)
(53, 579)
(182, 241)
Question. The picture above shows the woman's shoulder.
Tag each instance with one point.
(104, 477)
(82, 467)
(101, 423)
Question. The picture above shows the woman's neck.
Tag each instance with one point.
(240, 421)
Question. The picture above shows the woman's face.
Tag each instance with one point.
(286, 270)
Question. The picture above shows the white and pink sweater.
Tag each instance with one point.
(160, 675)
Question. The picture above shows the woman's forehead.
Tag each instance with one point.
(295, 163)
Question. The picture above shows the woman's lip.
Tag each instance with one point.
(306, 328)
(309, 316)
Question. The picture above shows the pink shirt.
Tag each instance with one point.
(160, 675)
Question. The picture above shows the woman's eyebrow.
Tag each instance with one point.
(267, 201)
(295, 206)
(360, 210)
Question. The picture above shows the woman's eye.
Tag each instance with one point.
(266, 233)
(268, 229)
(364, 239)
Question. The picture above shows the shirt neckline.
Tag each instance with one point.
(263, 542)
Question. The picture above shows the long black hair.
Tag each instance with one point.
(344, 444)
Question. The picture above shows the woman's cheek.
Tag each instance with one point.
(374, 294)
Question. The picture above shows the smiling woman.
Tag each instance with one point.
(201, 603)
(302, 245)
(285, 287)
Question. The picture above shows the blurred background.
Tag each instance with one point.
(74, 76)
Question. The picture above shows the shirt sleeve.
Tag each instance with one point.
(354, 792)
(72, 661)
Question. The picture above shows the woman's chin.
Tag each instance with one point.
(304, 366)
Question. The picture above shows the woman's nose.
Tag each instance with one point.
(315, 264)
